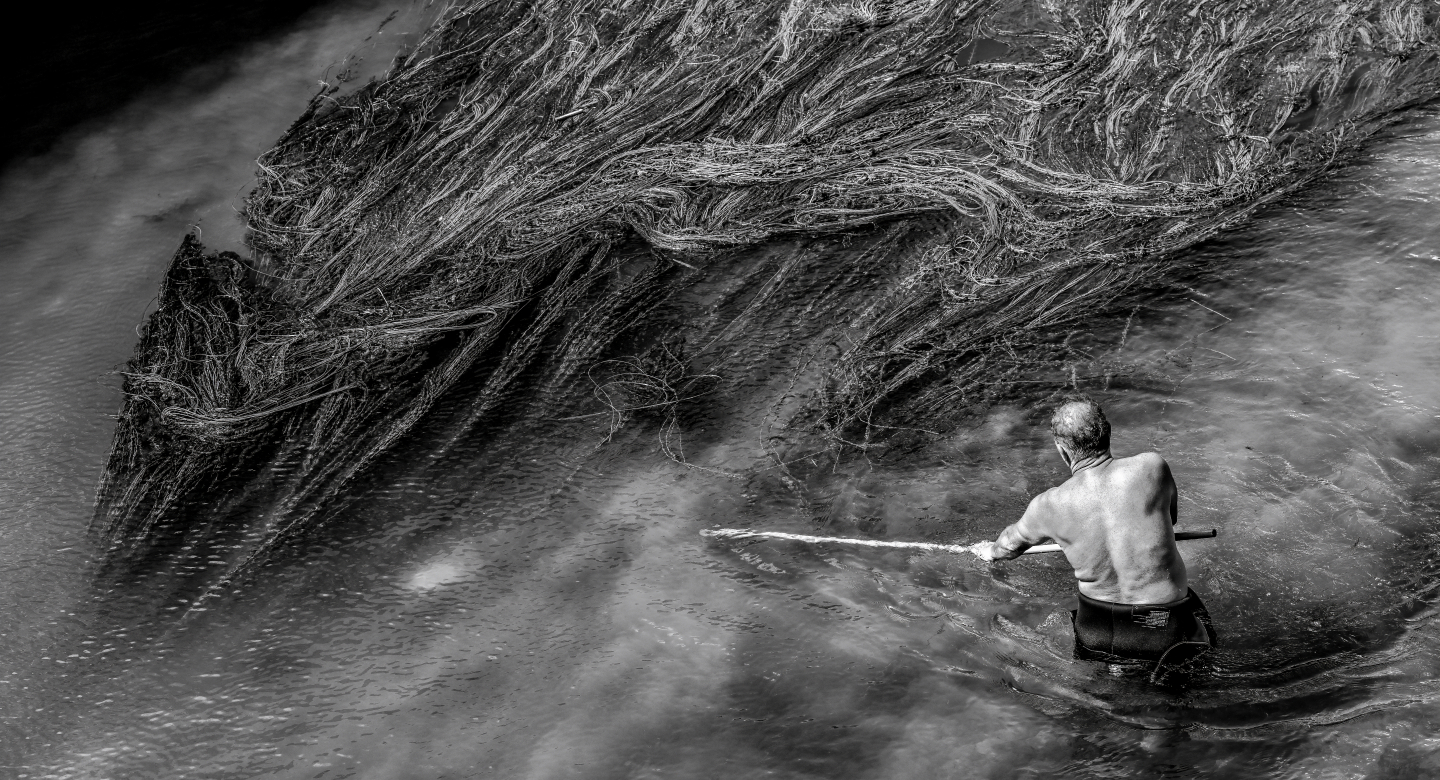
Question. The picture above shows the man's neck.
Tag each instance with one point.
(1089, 462)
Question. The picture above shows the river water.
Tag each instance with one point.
(535, 601)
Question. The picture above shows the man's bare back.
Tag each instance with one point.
(1113, 518)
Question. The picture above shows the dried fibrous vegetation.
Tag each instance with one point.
(535, 177)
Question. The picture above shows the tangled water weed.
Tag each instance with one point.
(525, 191)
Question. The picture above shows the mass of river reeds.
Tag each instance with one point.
(510, 207)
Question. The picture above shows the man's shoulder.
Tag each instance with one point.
(1146, 468)
(1149, 461)
(1047, 502)
(1059, 497)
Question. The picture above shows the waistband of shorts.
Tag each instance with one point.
(1117, 606)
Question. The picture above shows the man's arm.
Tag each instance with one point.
(1017, 537)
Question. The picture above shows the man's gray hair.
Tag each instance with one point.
(1081, 426)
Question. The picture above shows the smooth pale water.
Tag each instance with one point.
(533, 600)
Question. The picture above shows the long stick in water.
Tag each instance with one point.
(741, 533)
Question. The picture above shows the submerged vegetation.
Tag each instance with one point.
(523, 188)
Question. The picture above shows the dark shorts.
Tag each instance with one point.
(1106, 631)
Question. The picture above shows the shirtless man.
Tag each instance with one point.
(1113, 518)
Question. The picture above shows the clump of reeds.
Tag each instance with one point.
(536, 176)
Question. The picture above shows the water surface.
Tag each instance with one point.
(533, 599)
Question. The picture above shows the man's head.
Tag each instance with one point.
(1080, 428)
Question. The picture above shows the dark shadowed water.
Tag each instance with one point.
(535, 601)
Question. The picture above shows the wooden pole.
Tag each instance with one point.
(741, 533)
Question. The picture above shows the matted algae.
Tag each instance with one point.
(520, 194)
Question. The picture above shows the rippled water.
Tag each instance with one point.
(534, 600)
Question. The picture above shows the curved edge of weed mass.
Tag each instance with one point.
(535, 177)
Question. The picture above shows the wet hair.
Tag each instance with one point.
(1081, 426)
